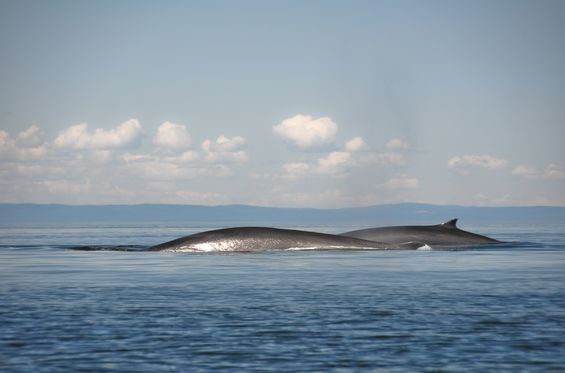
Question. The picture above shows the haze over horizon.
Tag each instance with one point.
(292, 104)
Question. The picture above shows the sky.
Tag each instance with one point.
(283, 103)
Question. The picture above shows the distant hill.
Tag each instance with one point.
(403, 213)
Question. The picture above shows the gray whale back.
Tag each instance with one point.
(262, 239)
(446, 234)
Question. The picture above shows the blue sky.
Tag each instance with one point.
(298, 103)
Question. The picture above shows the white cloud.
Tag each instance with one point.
(394, 156)
(338, 163)
(4, 138)
(25, 148)
(64, 186)
(217, 170)
(74, 137)
(401, 181)
(356, 144)
(182, 167)
(186, 159)
(165, 171)
(81, 191)
(397, 144)
(188, 156)
(172, 136)
(127, 134)
(206, 198)
(307, 133)
(554, 172)
(525, 171)
(29, 138)
(335, 163)
(101, 156)
(131, 158)
(551, 172)
(7, 148)
(296, 167)
(295, 171)
(224, 144)
(383, 159)
(465, 163)
(225, 149)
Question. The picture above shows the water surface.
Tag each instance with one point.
(500, 308)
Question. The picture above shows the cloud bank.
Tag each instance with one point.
(83, 165)
(306, 134)
(127, 164)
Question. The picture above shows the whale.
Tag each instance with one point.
(254, 239)
(445, 234)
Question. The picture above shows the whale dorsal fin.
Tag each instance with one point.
(450, 224)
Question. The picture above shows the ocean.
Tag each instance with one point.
(495, 308)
